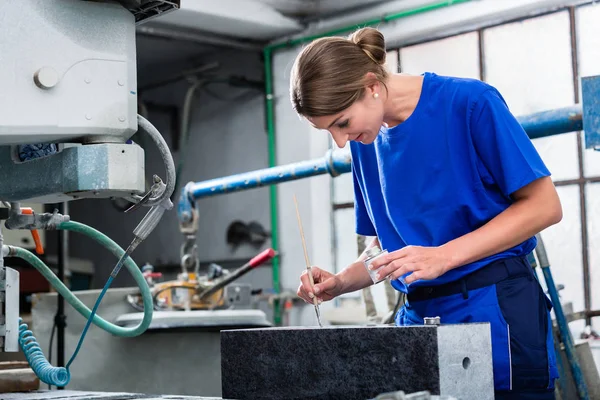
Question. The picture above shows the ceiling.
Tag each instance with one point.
(314, 9)
(190, 35)
(245, 23)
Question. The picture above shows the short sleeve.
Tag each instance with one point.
(503, 145)
(364, 225)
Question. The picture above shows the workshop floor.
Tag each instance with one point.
(83, 395)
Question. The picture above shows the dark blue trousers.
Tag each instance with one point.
(506, 294)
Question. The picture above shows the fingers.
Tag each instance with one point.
(303, 294)
(395, 269)
(305, 280)
(327, 286)
(415, 276)
(305, 291)
(393, 256)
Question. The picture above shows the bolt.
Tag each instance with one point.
(122, 118)
(432, 320)
(87, 79)
(45, 78)
(88, 117)
(120, 82)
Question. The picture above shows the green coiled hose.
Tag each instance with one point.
(61, 376)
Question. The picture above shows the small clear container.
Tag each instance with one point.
(372, 254)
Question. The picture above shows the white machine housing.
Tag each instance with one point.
(67, 76)
(68, 72)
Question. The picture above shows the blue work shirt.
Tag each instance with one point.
(444, 172)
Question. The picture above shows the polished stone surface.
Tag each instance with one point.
(328, 363)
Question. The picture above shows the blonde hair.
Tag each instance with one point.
(328, 76)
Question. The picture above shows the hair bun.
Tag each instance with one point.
(372, 42)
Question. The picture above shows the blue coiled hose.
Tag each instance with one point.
(57, 376)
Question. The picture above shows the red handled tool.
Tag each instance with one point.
(227, 279)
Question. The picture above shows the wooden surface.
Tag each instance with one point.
(16, 376)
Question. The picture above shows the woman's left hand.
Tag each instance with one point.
(424, 263)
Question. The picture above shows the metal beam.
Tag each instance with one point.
(198, 37)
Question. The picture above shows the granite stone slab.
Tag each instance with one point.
(359, 362)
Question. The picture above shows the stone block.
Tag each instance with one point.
(357, 362)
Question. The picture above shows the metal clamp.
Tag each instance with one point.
(24, 219)
(157, 189)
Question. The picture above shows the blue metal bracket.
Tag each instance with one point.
(590, 89)
(185, 205)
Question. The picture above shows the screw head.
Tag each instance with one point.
(46, 78)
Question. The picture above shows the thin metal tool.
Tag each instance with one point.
(308, 268)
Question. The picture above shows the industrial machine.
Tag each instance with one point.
(192, 291)
(69, 110)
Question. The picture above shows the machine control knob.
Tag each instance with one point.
(46, 78)
(432, 320)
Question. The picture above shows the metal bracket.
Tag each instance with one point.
(590, 89)
(11, 302)
(45, 221)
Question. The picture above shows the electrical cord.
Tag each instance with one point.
(50, 346)
(186, 117)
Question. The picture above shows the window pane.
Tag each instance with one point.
(391, 60)
(518, 57)
(343, 185)
(453, 56)
(588, 47)
(563, 246)
(346, 247)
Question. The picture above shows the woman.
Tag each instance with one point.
(449, 183)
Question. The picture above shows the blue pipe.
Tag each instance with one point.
(334, 163)
(562, 376)
(553, 122)
(561, 320)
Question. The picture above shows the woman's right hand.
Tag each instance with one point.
(327, 285)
